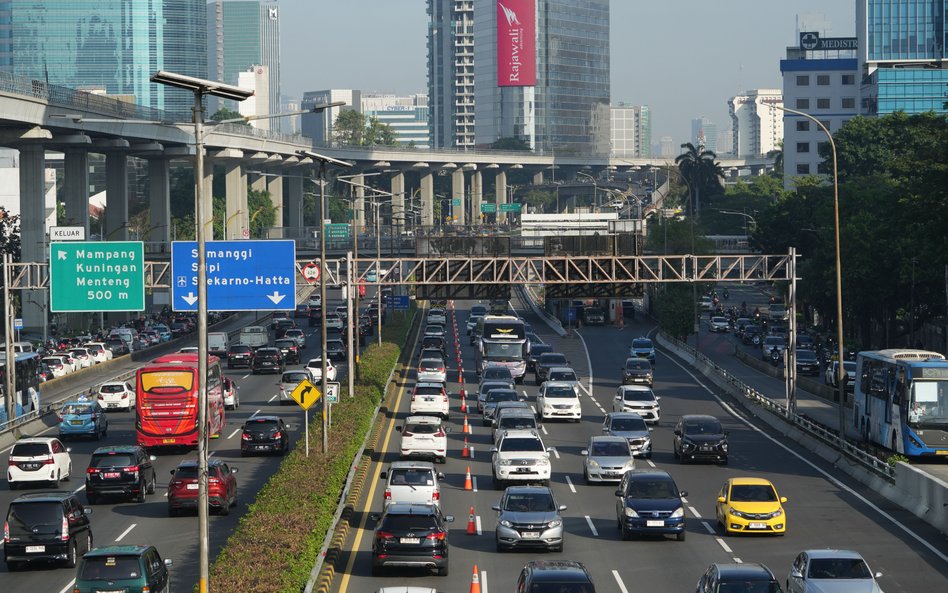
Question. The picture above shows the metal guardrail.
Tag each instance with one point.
(814, 429)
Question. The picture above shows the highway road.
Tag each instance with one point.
(824, 509)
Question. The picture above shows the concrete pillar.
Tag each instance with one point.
(208, 201)
(159, 201)
(358, 203)
(457, 196)
(427, 200)
(274, 183)
(235, 197)
(76, 188)
(294, 205)
(477, 195)
(257, 182)
(500, 194)
(538, 178)
(116, 197)
(33, 306)
(398, 202)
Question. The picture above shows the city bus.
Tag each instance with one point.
(166, 410)
(503, 342)
(27, 383)
(900, 400)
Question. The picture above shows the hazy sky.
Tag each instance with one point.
(682, 58)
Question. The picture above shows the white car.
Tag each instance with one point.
(333, 322)
(82, 356)
(56, 366)
(289, 380)
(314, 301)
(558, 399)
(431, 370)
(520, 456)
(423, 436)
(98, 351)
(38, 459)
(705, 303)
(429, 399)
(718, 324)
(639, 399)
(297, 335)
(116, 395)
(231, 394)
(188, 350)
(315, 368)
(433, 329)
(437, 317)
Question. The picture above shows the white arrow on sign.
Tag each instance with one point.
(62, 255)
(276, 297)
(190, 299)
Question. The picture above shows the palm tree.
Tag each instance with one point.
(700, 172)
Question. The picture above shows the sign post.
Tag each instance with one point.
(88, 277)
(306, 394)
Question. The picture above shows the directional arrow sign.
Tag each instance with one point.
(305, 394)
(241, 275)
(90, 276)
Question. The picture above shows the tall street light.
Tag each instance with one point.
(841, 371)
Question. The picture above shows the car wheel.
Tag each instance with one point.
(224, 510)
(91, 499)
(71, 555)
(680, 536)
(140, 497)
(154, 485)
(723, 461)
(500, 547)
(13, 485)
(626, 536)
(586, 477)
(443, 571)
(558, 548)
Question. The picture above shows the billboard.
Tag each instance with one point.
(516, 43)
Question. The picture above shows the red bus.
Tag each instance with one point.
(166, 410)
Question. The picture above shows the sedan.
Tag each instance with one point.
(529, 517)
(632, 428)
(82, 418)
(607, 458)
(264, 434)
(83, 357)
(750, 505)
(116, 395)
(818, 571)
(718, 324)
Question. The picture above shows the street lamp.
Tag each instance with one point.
(744, 214)
(595, 188)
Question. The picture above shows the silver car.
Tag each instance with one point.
(632, 428)
(487, 386)
(824, 571)
(607, 458)
(432, 370)
(494, 397)
(529, 517)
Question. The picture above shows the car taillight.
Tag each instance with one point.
(437, 535)
(6, 532)
(124, 396)
(100, 396)
(440, 433)
(444, 398)
(407, 433)
(49, 460)
(278, 435)
(384, 535)
(436, 495)
(413, 397)
(440, 369)
(245, 436)
(64, 535)
(133, 469)
(93, 470)
(388, 494)
(213, 481)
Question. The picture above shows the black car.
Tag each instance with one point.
(117, 346)
(122, 470)
(411, 534)
(752, 335)
(655, 504)
(535, 351)
(268, 360)
(178, 328)
(336, 349)
(700, 438)
(281, 325)
(436, 342)
(48, 526)
(545, 362)
(559, 576)
(264, 434)
(807, 362)
(315, 315)
(239, 355)
(290, 350)
(747, 577)
(637, 371)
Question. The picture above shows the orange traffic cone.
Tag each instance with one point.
(465, 452)
(463, 403)
(468, 483)
(467, 426)
(475, 582)
(471, 525)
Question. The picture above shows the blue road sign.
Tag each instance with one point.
(571, 314)
(241, 275)
(389, 301)
(401, 303)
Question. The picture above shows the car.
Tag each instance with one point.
(643, 347)
(831, 374)
(118, 346)
(298, 335)
(699, 437)
(520, 456)
(130, 569)
(778, 312)
(817, 571)
(334, 322)
(557, 399)
(411, 535)
(637, 371)
(436, 317)
(770, 344)
(164, 332)
(56, 366)
(649, 502)
(82, 356)
(807, 363)
(639, 399)
(423, 436)
(750, 505)
(434, 343)
(336, 349)
(290, 379)
(535, 351)
(740, 324)
(98, 351)
(269, 360)
(412, 481)
(116, 395)
(315, 368)
(545, 362)
(46, 527)
(632, 428)
(718, 324)
(281, 326)
(529, 517)
(289, 348)
(314, 300)
(429, 399)
(82, 418)
(806, 342)
(42, 460)
(563, 375)
(555, 576)
(433, 329)
(705, 303)
(239, 355)
(471, 322)
(302, 310)
(264, 434)
(431, 370)
(315, 316)
(432, 353)
(126, 471)
(752, 335)
(221, 486)
(485, 386)
(607, 458)
(496, 372)
(509, 417)
(749, 577)
(343, 312)
(231, 393)
(495, 397)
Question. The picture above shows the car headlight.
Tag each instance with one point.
(506, 523)
(735, 512)
(630, 464)
(723, 445)
(594, 463)
(543, 461)
(679, 512)
(687, 445)
(630, 512)
(776, 513)
(506, 462)
(554, 523)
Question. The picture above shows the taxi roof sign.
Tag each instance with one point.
(305, 394)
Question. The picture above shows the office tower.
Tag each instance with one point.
(704, 133)
(407, 116)
(667, 147)
(631, 131)
(451, 73)
(318, 126)
(757, 126)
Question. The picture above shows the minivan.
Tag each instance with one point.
(218, 344)
(130, 569)
(412, 481)
(46, 527)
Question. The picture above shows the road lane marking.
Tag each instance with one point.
(592, 527)
(543, 428)
(246, 376)
(571, 487)
(650, 462)
(589, 364)
(694, 511)
(254, 414)
(273, 398)
(474, 483)
(737, 560)
(79, 489)
(477, 522)
(484, 581)
(615, 573)
(236, 430)
(556, 453)
(724, 545)
(684, 500)
(69, 586)
(708, 527)
(126, 532)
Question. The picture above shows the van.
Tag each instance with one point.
(18, 347)
(126, 334)
(412, 481)
(218, 343)
(254, 336)
(130, 569)
(46, 527)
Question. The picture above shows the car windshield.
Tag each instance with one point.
(501, 395)
(285, 344)
(749, 587)
(629, 424)
(753, 493)
(637, 395)
(838, 568)
(28, 516)
(30, 450)
(775, 341)
(806, 355)
(408, 523)
(532, 502)
(638, 364)
(421, 429)
(261, 424)
(709, 426)
(521, 444)
(110, 568)
(431, 364)
(496, 373)
(651, 488)
(488, 387)
(643, 344)
(517, 422)
(537, 349)
(240, 349)
(295, 377)
(554, 587)
(113, 460)
(609, 449)
(552, 359)
(77, 410)
(562, 376)
(428, 390)
(559, 391)
(411, 477)
(186, 471)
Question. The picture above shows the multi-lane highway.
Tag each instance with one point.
(825, 509)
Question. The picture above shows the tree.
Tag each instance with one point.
(224, 113)
(262, 213)
(675, 307)
(541, 199)
(777, 156)
(352, 128)
(9, 233)
(510, 143)
(701, 172)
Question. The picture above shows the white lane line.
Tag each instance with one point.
(275, 395)
(650, 462)
(615, 573)
(830, 478)
(556, 453)
(231, 435)
(477, 522)
(474, 483)
(79, 489)
(484, 581)
(708, 527)
(589, 364)
(126, 532)
(591, 526)
(570, 483)
(543, 428)
(245, 376)
(737, 560)
(694, 511)
(724, 545)
(69, 586)
(254, 414)
(684, 500)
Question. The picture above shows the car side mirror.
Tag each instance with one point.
(683, 493)
(375, 516)
(383, 475)
(721, 499)
(493, 449)
(619, 493)
(878, 575)
(440, 475)
(398, 428)
(496, 507)
(171, 472)
(561, 508)
(650, 429)
(584, 452)
(87, 510)
(549, 449)
(677, 433)
(449, 518)
(233, 470)
(796, 573)
(68, 449)
(605, 429)
(169, 562)
(783, 499)
(658, 398)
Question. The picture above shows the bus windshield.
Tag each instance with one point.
(167, 382)
(503, 351)
(929, 405)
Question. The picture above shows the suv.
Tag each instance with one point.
(263, 434)
(315, 316)
(131, 569)
(545, 362)
(336, 349)
(46, 526)
(290, 350)
(38, 459)
(751, 577)
(558, 399)
(699, 437)
(423, 436)
(637, 371)
(639, 399)
(632, 428)
(412, 482)
(435, 342)
(535, 351)
(411, 535)
(289, 380)
(643, 348)
(807, 362)
(221, 486)
(267, 359)
(239, 355)
(520, 456)
(529, 517)
(124, 470)
(511, 418)
(648, 501)
(429, 399)
(486, 387)
(495, 397)
(562, 576)
(771, 343)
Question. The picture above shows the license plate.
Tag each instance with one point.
(654, 523)
(942, 452)
(192, 486)
(168, 441)
(263, 446)
(705, 448)
(410, 540)
(111, 475)
(110, 590)
(266, 364)
(113, 405)
(35, 549)
(757, 526)
(429, 399)
(76, 422)
(531, 535)
(523, 470)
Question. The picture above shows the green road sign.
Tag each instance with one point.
(488, 207)
(337, 231)
(93, 276)
(456, 202)
(510, 207)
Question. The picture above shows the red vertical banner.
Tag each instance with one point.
(516, 43)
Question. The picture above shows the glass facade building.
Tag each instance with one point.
(112, 45)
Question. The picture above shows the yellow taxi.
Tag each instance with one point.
(751, 505)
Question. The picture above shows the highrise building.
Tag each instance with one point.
(256, 78)
(667, 147)
(242, 34)
(407, 116)
(901, 55)
(318, 126)
(631, 131)
(109, 45)
(451, 73)
(704, 133)
(757, 125)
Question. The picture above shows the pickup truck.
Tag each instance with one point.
(254, 336)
